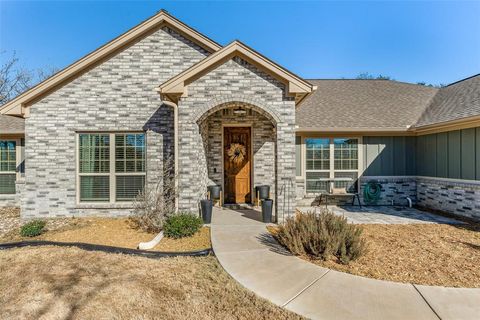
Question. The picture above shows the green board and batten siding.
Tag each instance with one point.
(454, 154)
(389, 156)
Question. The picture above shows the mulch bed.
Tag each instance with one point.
(10, 223)
(118, 232)
(428, 254)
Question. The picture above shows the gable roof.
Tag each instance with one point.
(17, 105)
(363, 105)
(295, 85)
(11, 125)
(456, 101)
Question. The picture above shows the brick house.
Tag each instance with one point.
(86, 140)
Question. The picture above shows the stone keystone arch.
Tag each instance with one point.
(218, 103)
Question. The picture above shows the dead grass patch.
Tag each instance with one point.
(429, 254)
(69, 283)
(119, 232)
(199, 241)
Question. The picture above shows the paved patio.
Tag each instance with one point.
(383, 214)
(252, 257)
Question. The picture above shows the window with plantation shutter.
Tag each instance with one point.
(129, 165)
(111, 166)
(128, 187)
(8, 164)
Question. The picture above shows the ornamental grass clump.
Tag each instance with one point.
(322, 236)
(33, 228)
(182, 225)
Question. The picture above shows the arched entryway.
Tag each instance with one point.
(239, 144)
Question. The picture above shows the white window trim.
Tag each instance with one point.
(112, 174)
(18, 156)
(331, 170)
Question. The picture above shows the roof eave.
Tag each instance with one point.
(295, 85)
(15, 106)
(351, 130)
(457, 124)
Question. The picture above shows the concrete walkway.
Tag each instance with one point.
(253, 258)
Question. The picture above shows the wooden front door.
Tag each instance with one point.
(237, 164)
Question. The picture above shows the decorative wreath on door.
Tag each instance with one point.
(236, 153)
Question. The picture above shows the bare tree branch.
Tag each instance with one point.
(15, 79)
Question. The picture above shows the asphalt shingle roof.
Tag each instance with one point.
(455, 101)
(10, 124)
(363, 104)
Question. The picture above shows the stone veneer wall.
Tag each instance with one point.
(13, 200)
(116, 95)
(234, 81)
(395, 189)
(299, 188)
(451, 196)
(458, 197)
(263, 145)
(9, 200)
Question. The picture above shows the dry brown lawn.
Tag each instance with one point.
(430, 254)
(199, 241)
(69, 283)
(119, 232)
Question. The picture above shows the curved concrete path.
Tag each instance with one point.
(252, 257)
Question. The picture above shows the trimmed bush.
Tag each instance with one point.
(322, 236)
(182, 225)
(33, 228)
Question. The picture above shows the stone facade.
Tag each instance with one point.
(116, 95)
(300, 190)
(395, 190)
(451, 196)
(234, 81)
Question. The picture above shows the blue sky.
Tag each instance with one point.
(435, 42)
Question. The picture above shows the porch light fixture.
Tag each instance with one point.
(239, 111)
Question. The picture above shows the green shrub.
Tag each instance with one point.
(322, 236)
(33, 228)
(182, 225)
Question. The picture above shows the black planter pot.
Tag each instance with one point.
(206, 206)
(263, 192)
(214, 191)
(267, 207)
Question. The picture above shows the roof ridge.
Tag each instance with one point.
(464, 79)
(386, 80)
(347, 79)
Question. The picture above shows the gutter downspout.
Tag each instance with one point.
(175, 143)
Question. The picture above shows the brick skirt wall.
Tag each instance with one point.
(395, 190)
(458, 197)
(451, 196)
